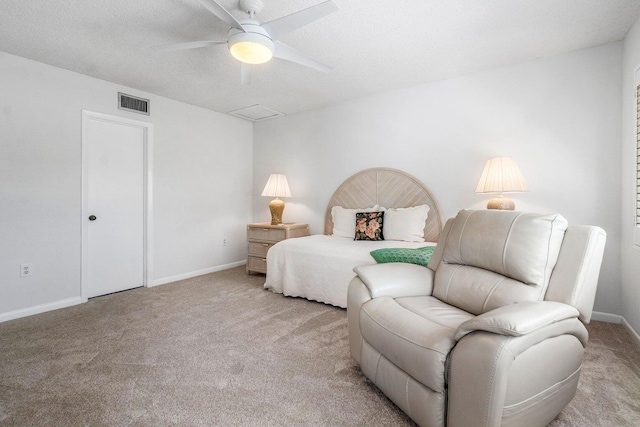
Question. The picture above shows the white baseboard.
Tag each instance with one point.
(37, 309)
(606, 317)
(189, 275)
(632, 332)
(614, 318)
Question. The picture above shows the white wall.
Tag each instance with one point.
(559, 117)
(630, 254)
(202, 183)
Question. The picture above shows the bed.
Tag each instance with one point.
(320, 267)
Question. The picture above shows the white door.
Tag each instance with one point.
(114, 204)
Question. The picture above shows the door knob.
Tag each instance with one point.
(92, 218)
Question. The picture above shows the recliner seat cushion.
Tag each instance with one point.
(495, 258)
(414, 333)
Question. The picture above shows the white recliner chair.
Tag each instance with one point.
(492, 331)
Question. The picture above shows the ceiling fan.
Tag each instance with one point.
(252, 42)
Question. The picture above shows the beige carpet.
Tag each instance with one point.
(219, 350)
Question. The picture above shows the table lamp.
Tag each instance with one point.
(501, 175)
(277, 186)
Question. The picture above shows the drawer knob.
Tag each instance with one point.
(266, 245)
(265, 229)
(264, 260)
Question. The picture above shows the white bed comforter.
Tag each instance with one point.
(320, 267)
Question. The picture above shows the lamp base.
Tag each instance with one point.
(501, 203)
(276, 206)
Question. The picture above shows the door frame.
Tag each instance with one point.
(636, 228)
(147, 228)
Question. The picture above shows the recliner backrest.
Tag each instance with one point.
(490, 258)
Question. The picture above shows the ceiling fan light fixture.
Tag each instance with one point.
(251, 52)
(252, 47)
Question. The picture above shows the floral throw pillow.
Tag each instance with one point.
(369, 226)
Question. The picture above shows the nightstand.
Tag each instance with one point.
(262, 235)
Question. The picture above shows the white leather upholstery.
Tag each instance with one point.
(491, 332)
(416, 343)
(575, 277)
(501, 258)
(396, 279)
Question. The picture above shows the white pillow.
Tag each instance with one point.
(406, 224)
(344, 220)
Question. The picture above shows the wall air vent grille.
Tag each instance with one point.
(133, 103)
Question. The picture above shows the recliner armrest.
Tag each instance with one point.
(396, 280)
(518, 319)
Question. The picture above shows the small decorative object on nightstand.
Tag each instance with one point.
(501, 175)
(262, 235)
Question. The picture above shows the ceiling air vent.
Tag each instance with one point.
(132, 103)
(255, 113)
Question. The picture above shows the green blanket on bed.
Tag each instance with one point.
(420, 256)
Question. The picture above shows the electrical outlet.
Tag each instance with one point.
(26, 269)
(224, 242)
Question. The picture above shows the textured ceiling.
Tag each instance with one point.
(375, 46)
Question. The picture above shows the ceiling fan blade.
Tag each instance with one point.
(288, 53)
(191, 45)
(286, 24)
(222, 13)
(246, 73)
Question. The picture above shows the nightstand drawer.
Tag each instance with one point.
(259, 248)
(258, 264)
(269, 234)
(261, 236)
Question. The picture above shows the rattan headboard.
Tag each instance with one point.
(390, 188)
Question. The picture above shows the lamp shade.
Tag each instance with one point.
(277, 186)
(501, 175)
